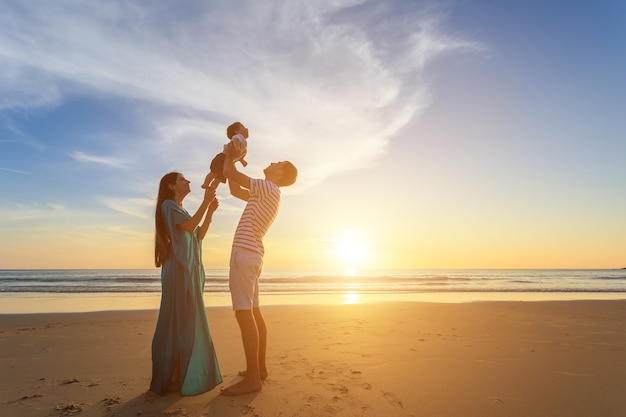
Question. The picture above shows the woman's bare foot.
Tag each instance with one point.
(245, 386)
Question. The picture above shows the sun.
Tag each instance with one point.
(351, 251)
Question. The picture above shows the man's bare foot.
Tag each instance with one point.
(263, 374)
(244, 386)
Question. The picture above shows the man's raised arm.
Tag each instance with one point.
(238, 183)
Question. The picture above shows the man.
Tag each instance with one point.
(263, 201)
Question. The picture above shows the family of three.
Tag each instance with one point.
(183, 355)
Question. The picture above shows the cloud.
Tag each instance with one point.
(326, 84)
(123, 230)
(42, 212)
(136, 207)
(12, 134)
(100, 160)
(15, 171)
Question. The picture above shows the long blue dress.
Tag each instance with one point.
(182, 339)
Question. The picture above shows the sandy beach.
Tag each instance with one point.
(500, 358)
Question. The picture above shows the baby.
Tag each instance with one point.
(238, 145)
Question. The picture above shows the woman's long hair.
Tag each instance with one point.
(162, 241)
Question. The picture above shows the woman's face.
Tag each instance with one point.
(181, 187)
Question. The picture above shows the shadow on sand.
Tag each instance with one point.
(210, 404)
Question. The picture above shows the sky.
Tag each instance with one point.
(427, 134)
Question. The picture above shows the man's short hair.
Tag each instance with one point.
(290, 173)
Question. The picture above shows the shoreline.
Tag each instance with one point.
(33, 303)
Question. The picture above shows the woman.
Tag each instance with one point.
(183, 356)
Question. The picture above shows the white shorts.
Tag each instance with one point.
(243, 278)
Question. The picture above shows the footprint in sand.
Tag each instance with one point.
(70, 381)
(392, 399)
(112, 402)
(575, 374)
(176, 412)
(69, 409)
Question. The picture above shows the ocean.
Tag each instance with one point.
(327, 282)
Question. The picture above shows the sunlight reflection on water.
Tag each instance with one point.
(351, 298)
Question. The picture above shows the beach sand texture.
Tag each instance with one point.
(543, 359)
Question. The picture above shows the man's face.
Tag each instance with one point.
(272, 168)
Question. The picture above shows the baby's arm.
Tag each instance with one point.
(243, 161)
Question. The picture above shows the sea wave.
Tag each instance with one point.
(610, 278)
(302, 281)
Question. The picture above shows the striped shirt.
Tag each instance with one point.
(258, 215)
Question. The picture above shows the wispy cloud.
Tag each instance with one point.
(9, 132)
(100, 160)
(39, 211)
(135, 207)
(124, 230)
(15, 171)
(326, 84)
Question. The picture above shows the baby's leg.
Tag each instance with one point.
(215, 183)
(209, 179)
